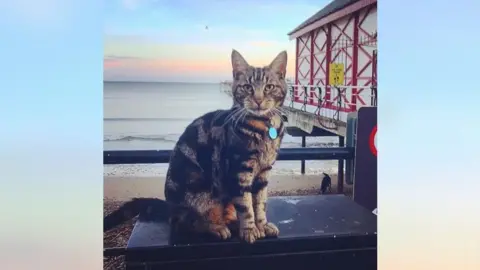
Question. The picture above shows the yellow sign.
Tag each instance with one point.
(337, 74)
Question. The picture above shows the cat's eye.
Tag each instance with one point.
(269, 87)
(247, 87)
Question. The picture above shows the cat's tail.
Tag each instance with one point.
(147, 208)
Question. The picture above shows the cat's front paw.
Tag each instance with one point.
(221, 232)
(249, 235)
(268, 230)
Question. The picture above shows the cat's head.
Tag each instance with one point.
(259, 89)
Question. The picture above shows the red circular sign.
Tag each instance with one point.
(373, 141)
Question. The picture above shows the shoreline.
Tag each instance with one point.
(282, 168)
(124, 188)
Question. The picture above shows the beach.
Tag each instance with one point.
(120, 188)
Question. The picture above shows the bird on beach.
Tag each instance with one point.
(326, 184)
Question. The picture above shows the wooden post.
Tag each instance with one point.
(304, 144)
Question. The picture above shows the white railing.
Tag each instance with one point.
(312, 94)
(330, 103)
(338, 98)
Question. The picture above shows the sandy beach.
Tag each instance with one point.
(123, 188)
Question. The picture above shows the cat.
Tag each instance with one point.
(326, 183)
(218, 173)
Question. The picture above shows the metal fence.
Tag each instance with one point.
(163, 156)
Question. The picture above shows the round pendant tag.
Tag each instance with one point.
(272, 133)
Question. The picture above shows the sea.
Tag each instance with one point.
(153, 115)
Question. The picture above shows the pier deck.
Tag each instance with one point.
(311, 123)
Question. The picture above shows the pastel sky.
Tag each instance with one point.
(167, 40)
(51, 100)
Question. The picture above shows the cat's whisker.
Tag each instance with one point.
(281, 112)
(280, 109)
(236, 112)
(232, 116)
(228, 118)
(217, 114)
(242, 115)
(240, 119)
(275, 111)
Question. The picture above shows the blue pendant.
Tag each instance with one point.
(272, 133)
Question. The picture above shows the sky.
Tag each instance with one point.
(51, 103)
(167, 40)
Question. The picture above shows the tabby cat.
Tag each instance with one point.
(218, 173)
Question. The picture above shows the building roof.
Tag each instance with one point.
(334, 6)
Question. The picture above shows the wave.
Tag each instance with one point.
(169, 119)
(164, 138)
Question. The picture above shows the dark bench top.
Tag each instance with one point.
(323, 222)
(295, 216)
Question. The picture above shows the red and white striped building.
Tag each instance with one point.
(345, 31)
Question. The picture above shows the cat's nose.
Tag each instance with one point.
(258, 98)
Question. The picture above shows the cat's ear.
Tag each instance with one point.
(239, 64)
(279, 64)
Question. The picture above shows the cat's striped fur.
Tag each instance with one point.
(218, 172)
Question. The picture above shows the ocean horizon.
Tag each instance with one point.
(153, 115)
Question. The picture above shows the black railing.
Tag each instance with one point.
(163, 156)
